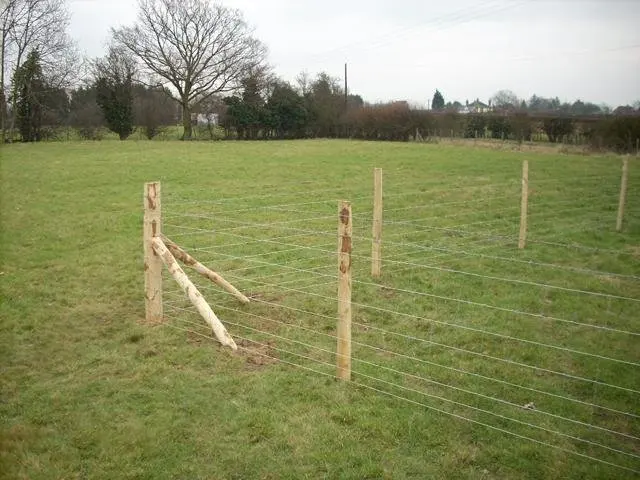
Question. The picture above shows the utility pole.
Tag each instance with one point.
(346, 88)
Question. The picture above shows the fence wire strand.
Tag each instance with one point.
(292, 250)
(430, 407)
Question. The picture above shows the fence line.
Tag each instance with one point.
(292, 251)
(516, 281)
(470, 352)
(419, 360)
(442, 297)
(377, 366)
(515, 260)
(421, 191)
(334, 337)
(415, 402)
(364, 219)
(317, 232)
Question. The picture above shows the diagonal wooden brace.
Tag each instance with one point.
(187, 259)
(194, 295)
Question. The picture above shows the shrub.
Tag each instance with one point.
(619, 134)
(500, 126)
(474, 126)
(557, 128)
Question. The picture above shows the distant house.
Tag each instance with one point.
(624, 110)
(205, 118)
(475, 107)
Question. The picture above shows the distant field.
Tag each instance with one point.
(460, 333)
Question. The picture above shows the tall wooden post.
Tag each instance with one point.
(376, 245)
(152, 227)
(524, 204)
(345, 230)
(623, 193)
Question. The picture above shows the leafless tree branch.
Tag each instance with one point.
(197, 47)
(36, 25)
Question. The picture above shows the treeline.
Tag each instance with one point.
(269, 107)
(212, 75)
(266, 107)
(398, 122)
(321, 111)
(50, 113)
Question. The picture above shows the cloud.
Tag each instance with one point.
(405, 49)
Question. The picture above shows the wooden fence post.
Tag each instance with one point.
(152, 227)
(343, 354)
(623, 193)
(376, 245)
(524, 204)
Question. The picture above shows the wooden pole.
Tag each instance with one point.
(376, 254)
(187, 259)
(345, 230)
(524, 204)
(346, 89)
(194, 295)
(152, 227)
(623, 193)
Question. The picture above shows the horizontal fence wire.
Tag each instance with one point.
(178, 295)
(430, 407)
(378, 366)
(441, 297)
(245, 225)
(471, 352)
(173, 306)
(282, 253)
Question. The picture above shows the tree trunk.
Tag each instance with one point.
(3, 97)
(3, 103)
(186, 121)
(3, 113)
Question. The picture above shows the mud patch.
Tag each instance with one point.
(634, 250)
(257, 355)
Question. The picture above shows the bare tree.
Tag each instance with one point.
(303, 80)
(198, 48)
(7, 22)
(36, 25)
(505, 99)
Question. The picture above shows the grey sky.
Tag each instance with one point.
(405, 49)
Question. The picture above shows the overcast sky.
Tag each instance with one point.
(405, 49)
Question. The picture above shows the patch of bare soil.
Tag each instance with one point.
(257, 354)
(634, 250)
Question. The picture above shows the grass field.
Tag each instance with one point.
(460, 332)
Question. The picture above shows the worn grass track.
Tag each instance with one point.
(89, 391)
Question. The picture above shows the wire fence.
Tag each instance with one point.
(539, 344)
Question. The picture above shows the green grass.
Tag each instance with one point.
(90, 391)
